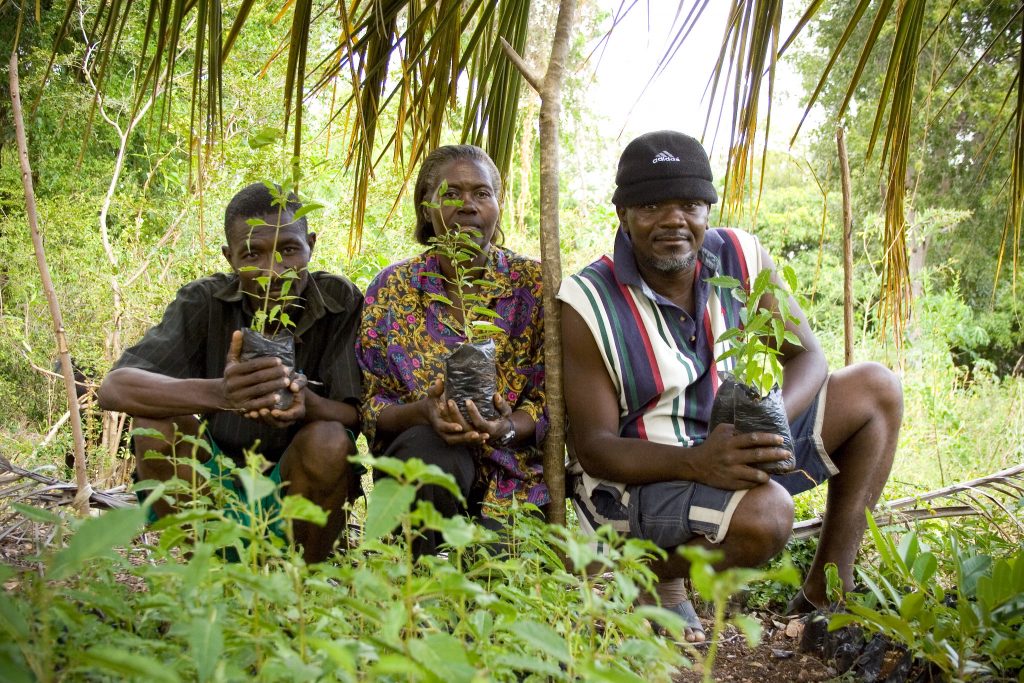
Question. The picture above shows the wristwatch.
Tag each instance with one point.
(508, 437)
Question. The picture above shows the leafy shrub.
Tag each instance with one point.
(947, 600)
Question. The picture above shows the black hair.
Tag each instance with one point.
(429, 178)
(254, 201)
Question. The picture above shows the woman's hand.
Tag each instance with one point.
(491, 429)
(443, 415)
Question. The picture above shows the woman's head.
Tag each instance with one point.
(435, 169)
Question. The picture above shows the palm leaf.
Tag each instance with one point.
(964, 499)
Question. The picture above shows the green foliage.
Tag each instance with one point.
(948, 601)
(374, 613)
(717, 587)
(756, 344)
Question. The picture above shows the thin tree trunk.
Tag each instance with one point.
(550, 91)
(844, 167)
(81, 503)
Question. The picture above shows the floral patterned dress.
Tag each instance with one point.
(405, 337)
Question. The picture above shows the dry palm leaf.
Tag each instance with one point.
(965, 499)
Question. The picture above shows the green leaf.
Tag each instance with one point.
(443, 655)
(789, 277)
(388, 503)
(305, 209)
(256, 485)
(911, 605)
(265, 137)
(541, 637)
(750, 627)
(124, 664)
(443, 299)
(300, 508)
(97, 537)
(206, 642)
(140, 432)
(724, 281)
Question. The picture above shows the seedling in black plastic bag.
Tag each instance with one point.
(469, 368)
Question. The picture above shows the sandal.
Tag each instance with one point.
(693, 630)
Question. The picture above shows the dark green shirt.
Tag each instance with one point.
(192, 340)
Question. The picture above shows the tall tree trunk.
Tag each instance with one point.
(81, 503)
(550, 91)
(550, 110)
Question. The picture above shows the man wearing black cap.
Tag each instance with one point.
(640, 364)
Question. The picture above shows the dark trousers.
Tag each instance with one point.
(424, 443)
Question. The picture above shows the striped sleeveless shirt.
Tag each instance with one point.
(659, 358)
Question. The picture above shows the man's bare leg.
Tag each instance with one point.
(758, 531)
(316, 466)
(863, 414)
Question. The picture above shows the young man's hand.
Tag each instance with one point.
(251, 386)
(294, 413)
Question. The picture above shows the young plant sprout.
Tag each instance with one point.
(469, 369)
(757, 342)
(750, 396)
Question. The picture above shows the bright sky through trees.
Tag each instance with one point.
(676, 98)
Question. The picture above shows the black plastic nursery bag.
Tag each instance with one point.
(470, 374)
(282, 345)
(742, 406)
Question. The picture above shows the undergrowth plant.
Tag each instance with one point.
(504, 608)
(949, 600)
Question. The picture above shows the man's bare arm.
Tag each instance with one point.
(246, 386)
(724, 460)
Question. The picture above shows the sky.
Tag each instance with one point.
(675, 99)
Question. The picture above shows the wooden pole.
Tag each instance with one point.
(550, 110)
(550, 90)
(81, 503)
(844, 167)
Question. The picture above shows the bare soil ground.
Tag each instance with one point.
(776, 658)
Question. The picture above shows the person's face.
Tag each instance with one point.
(667, 235)
(468, 182)
(250, 251)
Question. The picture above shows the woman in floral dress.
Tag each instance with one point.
(406, 335)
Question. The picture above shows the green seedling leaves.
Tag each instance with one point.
(97, 537)
(388, 503)
(124, 664)
(301, 509)
(40, 515)
(541, 637)
(306, 209)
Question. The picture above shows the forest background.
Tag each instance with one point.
(132, 208)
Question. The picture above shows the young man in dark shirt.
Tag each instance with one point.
(187, 369)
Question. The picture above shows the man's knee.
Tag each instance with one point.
(321, 450)
(884, 386)
(762, 523)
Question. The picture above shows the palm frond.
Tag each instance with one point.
(965, 498)
(405, 56)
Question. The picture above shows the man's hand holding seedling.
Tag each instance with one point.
(252, 386)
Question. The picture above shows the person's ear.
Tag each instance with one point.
(311, 241)
(226, 251)
(620, 211)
